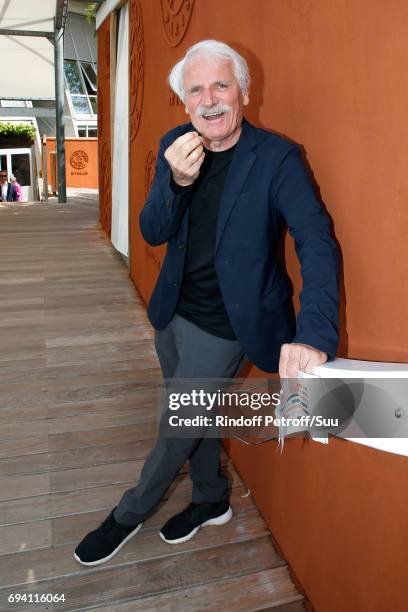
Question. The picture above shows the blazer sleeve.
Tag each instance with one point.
(164, 208)
(309, 225)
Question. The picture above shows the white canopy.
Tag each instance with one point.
(28, 61)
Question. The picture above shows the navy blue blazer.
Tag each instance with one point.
(267, 187)
(11, 193)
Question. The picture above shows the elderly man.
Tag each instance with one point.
(222, 195)
(8, 192)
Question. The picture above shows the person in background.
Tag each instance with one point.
(17, 185)
(8, 192)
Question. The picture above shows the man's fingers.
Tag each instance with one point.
(188, 148)
(299, 357)
(183, 145)
(195, 155)
(316, 359)
(291, 359)
(305, 360)
(196, 167)
(185, 138)
(292, 366)
(284, 354)
(182, 154)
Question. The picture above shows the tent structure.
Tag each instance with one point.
(31, 43)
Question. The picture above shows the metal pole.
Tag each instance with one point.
(59, 112)
(45, 172)
(8, 32)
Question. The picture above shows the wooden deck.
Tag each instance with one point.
(77, 417)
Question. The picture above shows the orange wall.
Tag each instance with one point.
(338, 513)
(104, 127)
(328, 75)
(81, 159)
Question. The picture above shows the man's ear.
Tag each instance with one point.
(245, 99)
(186, 110)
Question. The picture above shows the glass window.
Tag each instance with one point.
(20, 167)
(90, 74)
(80, 104)
(94, 104)
(92, 132)
(82, 132)
(72, 77)
(77, 74)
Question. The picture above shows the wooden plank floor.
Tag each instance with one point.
(78, 375)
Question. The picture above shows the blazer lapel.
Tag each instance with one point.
(242, 161)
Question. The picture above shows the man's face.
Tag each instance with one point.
(3, 177)
(214, 100)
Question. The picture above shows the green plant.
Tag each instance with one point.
(12, 129)
(90, 11)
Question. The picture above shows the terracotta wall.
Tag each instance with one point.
(104, 126)
(338, 513)
(328, 75)
(81, 160)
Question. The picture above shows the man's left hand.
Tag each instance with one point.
(296, 358)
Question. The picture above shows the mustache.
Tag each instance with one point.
(203, 111)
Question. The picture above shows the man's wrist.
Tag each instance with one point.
(176, 187)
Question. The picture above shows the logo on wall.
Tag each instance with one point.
(106, 187)
(101, 110)
(150, 168)
(136, 67)
(175, 18)
(79, 159)
(107, 48)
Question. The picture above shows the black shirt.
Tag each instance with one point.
(200, 299)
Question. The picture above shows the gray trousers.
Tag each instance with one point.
(185, 352)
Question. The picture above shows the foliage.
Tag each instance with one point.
(15, 130)
(90, 11)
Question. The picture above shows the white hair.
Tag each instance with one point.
(210, 48)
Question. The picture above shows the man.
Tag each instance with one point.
(222, 193)
(8, 192)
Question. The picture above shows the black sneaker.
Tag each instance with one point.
(104, 542)
(184, 525)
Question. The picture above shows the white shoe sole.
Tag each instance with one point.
(219, 520)
(99, 561)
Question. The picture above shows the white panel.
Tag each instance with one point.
(353, 368)
(120, 199)
(104, 11)
(28, 15)
(31, 59)
(84, 39)
(69, 49)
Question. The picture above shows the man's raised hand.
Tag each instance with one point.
(185, 156)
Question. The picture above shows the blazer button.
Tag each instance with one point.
(176, 284)
(181, 246)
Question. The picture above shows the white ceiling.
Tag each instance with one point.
(37, 15)
(28, 60)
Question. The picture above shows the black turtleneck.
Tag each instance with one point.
(200, 298)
